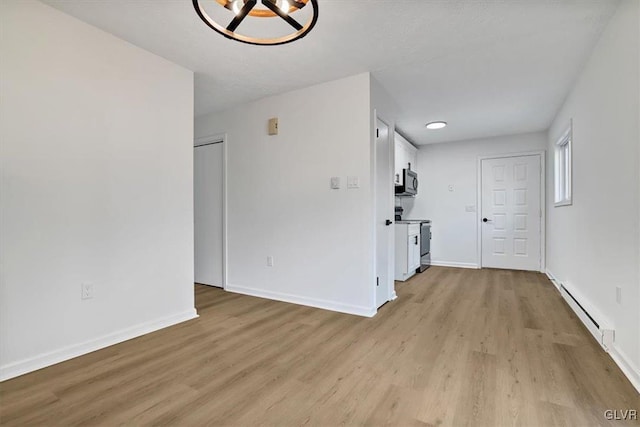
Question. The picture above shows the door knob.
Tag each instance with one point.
(388, 222)
(486, 220)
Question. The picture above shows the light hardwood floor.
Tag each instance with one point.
(458, 347)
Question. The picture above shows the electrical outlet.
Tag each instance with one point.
(618, 294)
(86, 291)
(273, 126)
(269, 261)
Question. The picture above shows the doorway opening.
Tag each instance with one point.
(209, 211)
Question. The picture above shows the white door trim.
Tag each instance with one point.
(543, 206)
(208, 140)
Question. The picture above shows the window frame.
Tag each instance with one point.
(562, 170)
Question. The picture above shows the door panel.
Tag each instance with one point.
(208, 210)
(384, 191)
(511, 204)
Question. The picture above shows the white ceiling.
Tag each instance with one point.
(488, 67)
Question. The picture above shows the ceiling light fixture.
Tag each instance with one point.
(287, 10)
(436, 125)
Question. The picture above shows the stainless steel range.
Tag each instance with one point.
(425, 246)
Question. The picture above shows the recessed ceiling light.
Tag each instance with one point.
(436, 125)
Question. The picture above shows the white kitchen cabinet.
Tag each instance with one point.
(406, 157)
(407, 247)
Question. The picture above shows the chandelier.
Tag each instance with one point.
(259, 22)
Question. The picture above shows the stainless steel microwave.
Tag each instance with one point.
(409, 186)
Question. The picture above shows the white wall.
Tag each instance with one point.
(455, 231)
(594, 245)
(280, 204)
(96, 155)
(383, 104)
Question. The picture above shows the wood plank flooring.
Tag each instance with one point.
(458, 347)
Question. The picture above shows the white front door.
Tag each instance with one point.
(208, 210)
(511, 213)
(384, 189)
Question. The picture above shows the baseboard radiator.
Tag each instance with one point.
(599, 328)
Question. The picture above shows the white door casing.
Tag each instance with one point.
(208, 166)
(512, 207)
(384, 190)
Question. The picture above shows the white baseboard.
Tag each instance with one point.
(553, 279)
(40, 361)
(455, 264)
(628, 368)
(310, 302)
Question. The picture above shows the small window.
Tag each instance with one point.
(562, 171)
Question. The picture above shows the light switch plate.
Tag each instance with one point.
(335, 182)
(86, 291)
(353, 182)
